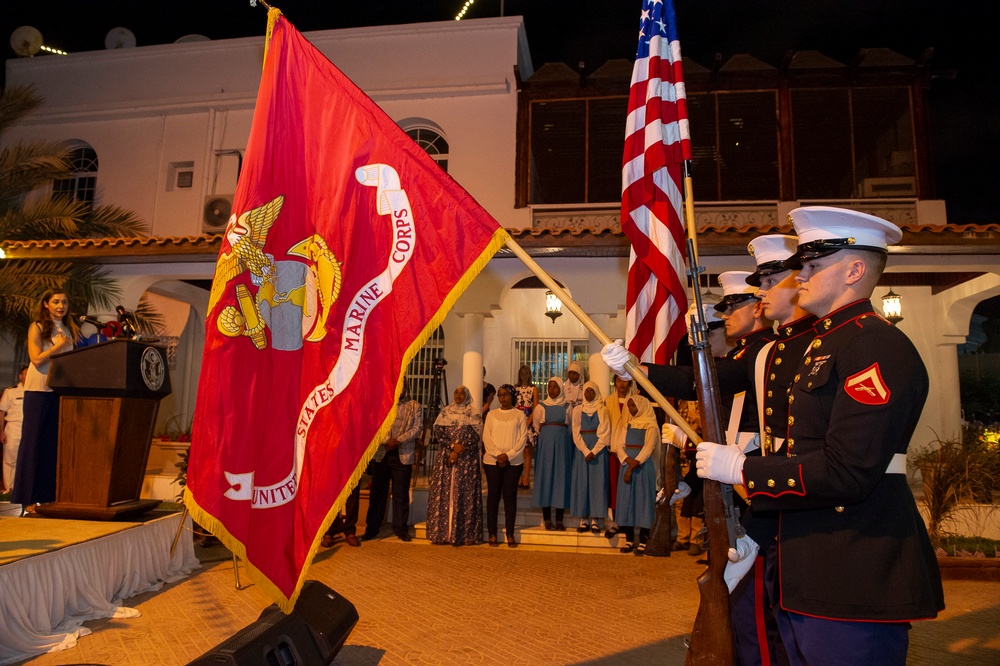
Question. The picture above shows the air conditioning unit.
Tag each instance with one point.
(216, 212)
(903, 186)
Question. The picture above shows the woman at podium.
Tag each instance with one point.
(54, 331)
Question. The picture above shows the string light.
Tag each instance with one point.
(49, 49)
(465, 8)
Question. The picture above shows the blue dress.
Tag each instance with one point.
(637, 499)
(589, 494)
(552, 459)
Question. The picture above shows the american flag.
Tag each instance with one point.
(657, 140)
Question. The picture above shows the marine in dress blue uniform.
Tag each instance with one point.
(855, 564)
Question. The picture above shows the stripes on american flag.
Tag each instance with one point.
(657, 140)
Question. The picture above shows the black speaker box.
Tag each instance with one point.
(312, 634)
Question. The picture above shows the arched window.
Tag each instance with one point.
(82, 182)
(431, 141)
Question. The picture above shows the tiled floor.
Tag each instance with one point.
(424, 604)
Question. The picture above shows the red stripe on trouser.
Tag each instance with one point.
(758, 604)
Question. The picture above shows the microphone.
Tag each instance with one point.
(129, 328)
(84, 319)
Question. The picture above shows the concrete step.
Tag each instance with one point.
(536, 537)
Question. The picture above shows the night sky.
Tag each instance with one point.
(965, 101)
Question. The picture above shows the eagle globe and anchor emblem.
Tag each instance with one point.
(293, 298)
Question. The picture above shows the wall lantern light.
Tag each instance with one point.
(892, 307)
(553, 306)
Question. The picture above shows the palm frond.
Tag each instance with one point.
(48, 219)
(25, 166)
(15, 103)
(149, 319)
(112, 222)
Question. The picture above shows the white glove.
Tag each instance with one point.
(741, 560)
(616, 356)
(672, 434)
(683, 490)
(720, 462)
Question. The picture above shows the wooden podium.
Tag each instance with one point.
(109, 395)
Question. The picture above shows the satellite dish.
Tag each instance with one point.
(217, 212)
(26, 41)
(191, 38)
(119, 38)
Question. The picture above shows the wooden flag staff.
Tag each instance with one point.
(602, 337)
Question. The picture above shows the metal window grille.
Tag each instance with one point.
(547, 358)
(420, 373)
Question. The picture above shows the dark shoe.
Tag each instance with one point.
(694, 550)
(404, 537)
(549, 526)
(640, 549)
(560, 527)
(368, 537)
(610, 533)
(627, 548)
(327, 541)
(583, 528)
(679, 546)
(511, 543)
(493, 541)
(594, 528)
(352, 541)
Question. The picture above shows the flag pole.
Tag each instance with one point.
(601, 336)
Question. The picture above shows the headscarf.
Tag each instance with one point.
(461, 414)
(510, 389)
(644, 418)
(574, 390)
(590, 406)
(559, 399)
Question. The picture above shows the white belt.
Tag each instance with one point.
(897, 465)
(747, 441)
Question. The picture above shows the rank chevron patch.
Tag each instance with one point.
(868, 387)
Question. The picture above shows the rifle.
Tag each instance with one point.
(712, 636)
(663, 522)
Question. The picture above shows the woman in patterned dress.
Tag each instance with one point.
(526, 399)
(455, 497)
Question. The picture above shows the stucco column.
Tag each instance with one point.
(600, 374)
(944, 390)
(468, 341)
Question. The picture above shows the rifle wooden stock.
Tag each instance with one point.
(712, 636)
(663, 522)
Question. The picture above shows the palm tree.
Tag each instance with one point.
(29, 168)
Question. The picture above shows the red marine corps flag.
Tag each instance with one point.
(346, 249)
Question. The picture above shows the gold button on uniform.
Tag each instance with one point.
(791, 442)
(791, 483)
(816, 343)
(808, 360)
(770, 483)
(770, 394)
(771, 377)
(767, 429)
(750, 485)
(797, 377)
(777, 361)
(838, 509)
(781, 346)
(791, 420)
(769, 411)
(827, 323)
(791, 399)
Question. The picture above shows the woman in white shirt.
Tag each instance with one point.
(54, 331)
(504, 436)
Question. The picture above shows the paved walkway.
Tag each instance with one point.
(424, 604)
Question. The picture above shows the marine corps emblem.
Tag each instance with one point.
(292, 299)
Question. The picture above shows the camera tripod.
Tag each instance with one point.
(436, 401)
